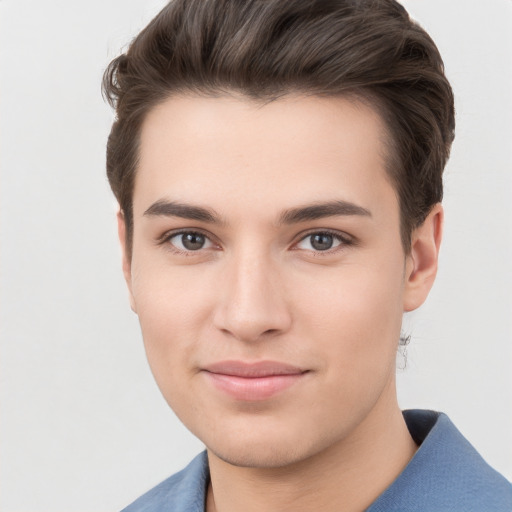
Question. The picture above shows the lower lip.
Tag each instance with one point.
(253, 388)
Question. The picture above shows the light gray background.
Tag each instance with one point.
(83, 426)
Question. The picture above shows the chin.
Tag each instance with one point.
(262, 456)
(267, 449)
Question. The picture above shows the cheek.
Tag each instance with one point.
(173, 308)
(356, 318)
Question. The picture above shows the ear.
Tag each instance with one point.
(421, 263)
(127, 264)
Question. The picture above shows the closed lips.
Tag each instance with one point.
(252, 381)
(253, 370)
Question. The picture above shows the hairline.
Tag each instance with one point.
(358, 96)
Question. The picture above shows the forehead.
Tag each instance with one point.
(229, 150)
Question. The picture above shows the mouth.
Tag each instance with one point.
(252, 381)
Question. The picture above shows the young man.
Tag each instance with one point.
(278, 167)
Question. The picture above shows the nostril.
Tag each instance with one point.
(250, 306)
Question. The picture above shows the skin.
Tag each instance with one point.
(258, 289)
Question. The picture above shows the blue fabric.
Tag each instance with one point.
(445, 475)
(182, 492)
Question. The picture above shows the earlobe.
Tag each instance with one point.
(126, 261)
(421, 264)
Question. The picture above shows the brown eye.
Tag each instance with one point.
(190, 241)
(321, 241)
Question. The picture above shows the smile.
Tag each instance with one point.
(252, 381)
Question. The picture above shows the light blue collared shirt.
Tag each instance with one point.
(445, 475)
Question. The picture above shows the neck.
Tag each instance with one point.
(348, 476)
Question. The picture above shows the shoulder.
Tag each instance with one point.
(446, 473)
(183, 491)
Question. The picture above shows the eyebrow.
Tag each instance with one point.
(321, 210)
(291, 216)
(185, 211)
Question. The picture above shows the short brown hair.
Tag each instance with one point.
(265, 49)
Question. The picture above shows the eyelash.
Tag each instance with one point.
(165, 239)
(344, 241)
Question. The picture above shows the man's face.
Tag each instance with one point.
(268, 272)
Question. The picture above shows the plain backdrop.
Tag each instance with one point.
(83, 426)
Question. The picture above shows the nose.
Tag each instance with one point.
(253, 303)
